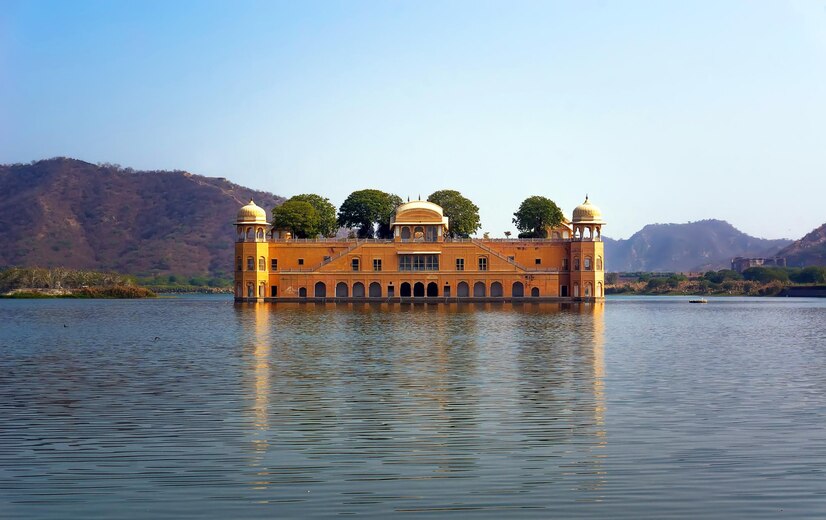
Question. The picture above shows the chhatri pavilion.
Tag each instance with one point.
(420, 262)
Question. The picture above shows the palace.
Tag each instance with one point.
(420, 262)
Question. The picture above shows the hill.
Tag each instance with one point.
(691, 247)
(809, 250)
(70, 213)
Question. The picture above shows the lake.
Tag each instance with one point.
(198, 407)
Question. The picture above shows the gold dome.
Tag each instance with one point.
(587, 212)
(252, 214)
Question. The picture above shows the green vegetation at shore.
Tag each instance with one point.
(183, 284)
(38, 282)
(755, 281)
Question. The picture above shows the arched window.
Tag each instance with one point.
(249, 233)
(588, 290)
(405, 233)
(462, 290)
(599, 289)
(418, 233)
(576, 290)
(404, 290)
(250, 291)
(320, 290)
(260, 234)
(517, 290)
(302, 292)
(576, 263)
(418, 290)
(599, 263)
(534, 292)
(250, 263)
(239, 291)
(262, 290)
(262, 264)
(341, 290)
(375, 290)
(496, 290)
(358, 290)
(587, 263)
(479, 290)
(239, 264)
(432, 290)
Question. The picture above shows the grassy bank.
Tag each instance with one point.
(37, 282)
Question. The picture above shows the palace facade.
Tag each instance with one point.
(420, 262)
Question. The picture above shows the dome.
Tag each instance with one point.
(420, 204)
(587, 212)
(419, 212)
(252, 214)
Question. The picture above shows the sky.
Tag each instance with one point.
(661, 112)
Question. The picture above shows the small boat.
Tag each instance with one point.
(699, 300)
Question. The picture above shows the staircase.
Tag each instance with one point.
(336, 257)
(499, 255)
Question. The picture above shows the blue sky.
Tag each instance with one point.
(660, 111)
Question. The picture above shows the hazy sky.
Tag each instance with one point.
(662, 111)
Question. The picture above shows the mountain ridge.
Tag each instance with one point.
(701, 245)
(71, 213)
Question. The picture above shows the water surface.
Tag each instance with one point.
(197, 407)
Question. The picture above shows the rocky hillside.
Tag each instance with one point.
(809, 250)
(691, 247)
(70, 213)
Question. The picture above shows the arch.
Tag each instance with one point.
(418, 290)
(462, 290)
(576, 263)
(496, 290)
(517, 290)
(320, 290)
(262, 264)
(259, 235)
(249, 233)
(262, 290)
(576, 290)
(479, 290)
(302, 291)
(404, 290)
(586, 233)
(587, 263)
(239, 291)
(534, 292)
(599, 263)
(589, 290)
(250, 263)
(250, 290)
(358, 290)
(405, 233)
(342, 291)
(599, 289)
(374, 291)
(432, 290)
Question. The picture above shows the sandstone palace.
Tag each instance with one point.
(420, 263)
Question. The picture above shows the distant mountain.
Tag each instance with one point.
(66, 212)
(691, 247)
(809, 250)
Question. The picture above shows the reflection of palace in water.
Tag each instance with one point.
(471, 390)
(419, 262)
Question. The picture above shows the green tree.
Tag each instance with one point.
(535, 215)
(766, 274)
(463, 214)
(812, 274)
(298, 216)
(327, 225)
(365, 209)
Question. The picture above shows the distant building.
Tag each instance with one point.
(740, 263)
(420, 262)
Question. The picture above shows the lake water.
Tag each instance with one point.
(197, 407)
